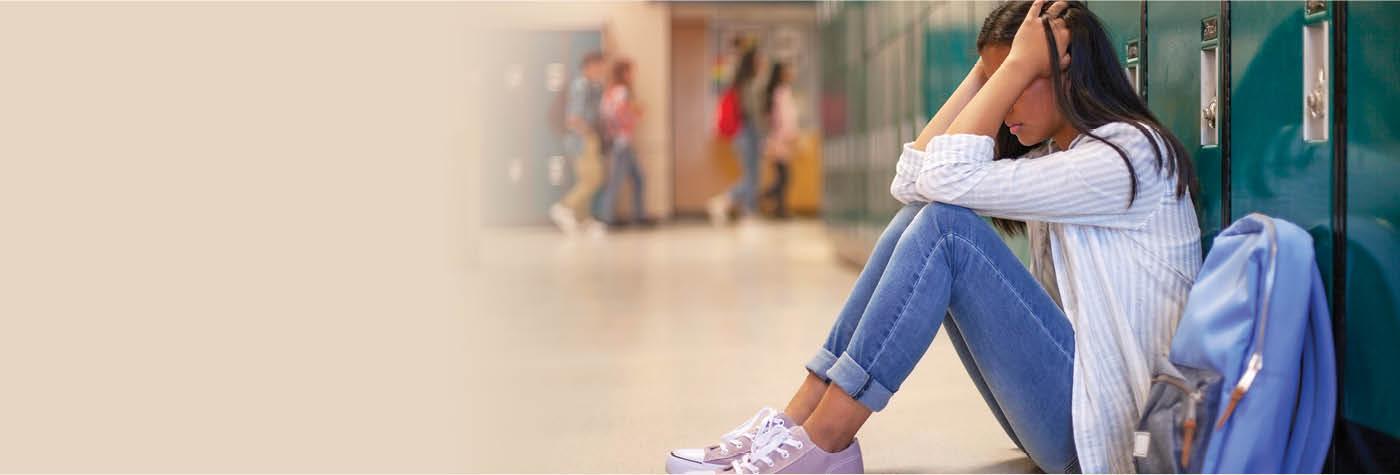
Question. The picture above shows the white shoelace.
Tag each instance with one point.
(770, 440)
(748, 430)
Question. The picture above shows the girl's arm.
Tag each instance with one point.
(906, 169)
(938, 125)
(1087, 184)
(1028, 59)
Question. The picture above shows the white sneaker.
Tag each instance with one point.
(563, 217)
(719, 209)
(596, 229)
(791, 450)
(733, 445)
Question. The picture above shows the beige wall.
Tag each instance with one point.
(235, 233)
(233, 238)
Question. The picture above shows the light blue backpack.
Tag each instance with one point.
(1254, 388)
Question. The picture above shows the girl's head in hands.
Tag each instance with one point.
(1082, 87)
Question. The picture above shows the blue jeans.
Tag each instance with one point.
(745, 193)
(1017, 345)
(623, 166)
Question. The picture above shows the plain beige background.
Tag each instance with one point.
(236, 237)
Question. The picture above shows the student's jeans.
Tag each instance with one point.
(745, 193)
(1017, 345)
(623, 166)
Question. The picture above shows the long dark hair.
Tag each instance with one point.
(775, 79)
(619, 73)
(747, 70)
(1101, 94)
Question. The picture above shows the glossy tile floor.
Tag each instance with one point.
(601, 355)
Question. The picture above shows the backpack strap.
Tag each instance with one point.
(1256, 359)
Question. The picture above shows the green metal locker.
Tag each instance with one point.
(1123, 20)
(525, 170)
(1273, 168)
(1372, 280)
(1184, 43)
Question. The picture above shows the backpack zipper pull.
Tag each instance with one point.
(1256, 363)
(1189, 429)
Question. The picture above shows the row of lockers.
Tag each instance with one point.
(1281, 104)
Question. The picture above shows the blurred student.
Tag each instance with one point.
(620, 112)
(747, 141)
(581, 142)
(781, 112)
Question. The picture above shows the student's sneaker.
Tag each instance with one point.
(790, 450)
(719, 209)
(595, 229)
(564, 218)
(732, 446)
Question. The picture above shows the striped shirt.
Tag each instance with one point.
(1121, 271)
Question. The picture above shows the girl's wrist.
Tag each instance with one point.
(1019, 68)
(978, 74)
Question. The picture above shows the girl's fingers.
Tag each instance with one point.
(1035, 11)
(1061, 31)
(1056, 9)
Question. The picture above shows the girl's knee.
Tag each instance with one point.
(949, 215)
(941, 219)
(909, 211)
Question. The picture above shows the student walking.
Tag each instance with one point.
(620, 113)
(581, 142)
(747, 142)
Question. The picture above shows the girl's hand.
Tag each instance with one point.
(979, 72)
(1029, 48)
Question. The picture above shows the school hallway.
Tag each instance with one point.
(602, 355)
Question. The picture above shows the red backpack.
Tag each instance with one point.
(727, 119)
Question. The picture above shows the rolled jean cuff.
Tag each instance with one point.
(856, 381)
(821, 363)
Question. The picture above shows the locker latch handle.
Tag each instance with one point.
(1317, 99)
(1208, 113)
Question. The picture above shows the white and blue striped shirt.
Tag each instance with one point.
(1122, 272)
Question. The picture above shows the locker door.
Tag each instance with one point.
(854, 55)
(949, 51)
(979, 13)
(1123, 20)
(524, 170)
(932, 75)
(864, 81)
(505, 165)
(918, 114)
(1183, 38)
(836, 182)
(1273, 168)
(962, 44)
(882, 114)
(1370, 423)
(533, 145)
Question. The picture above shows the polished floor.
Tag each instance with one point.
(601, 355)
